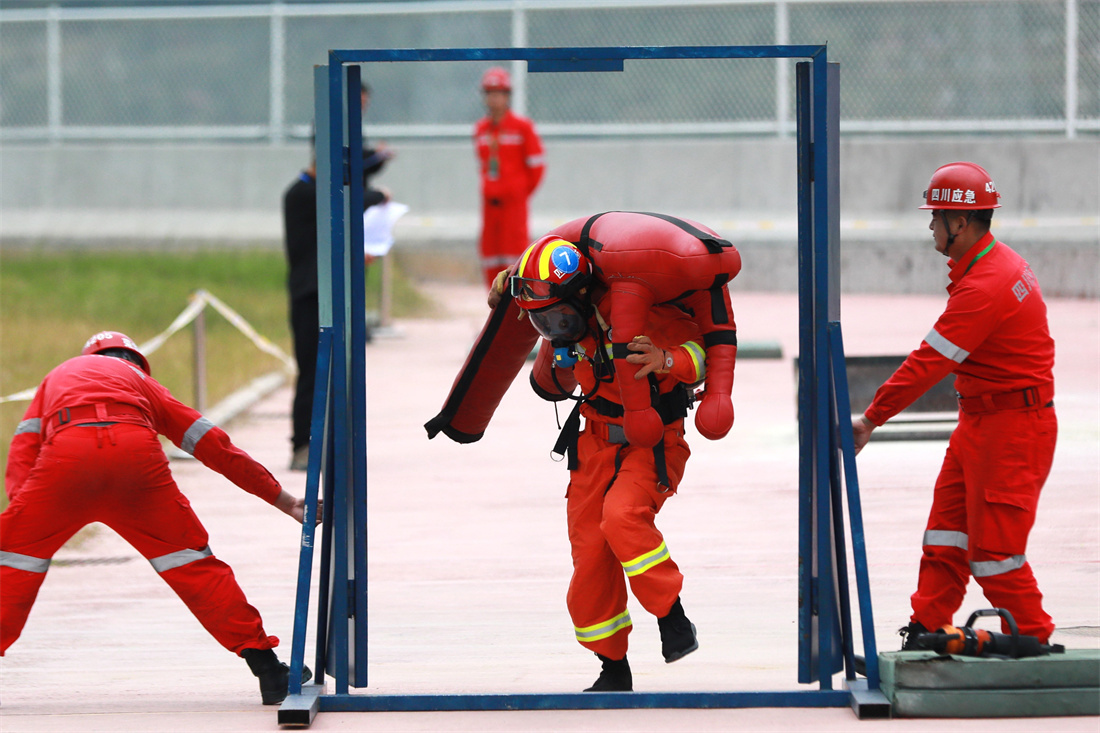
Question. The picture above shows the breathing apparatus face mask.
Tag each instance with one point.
(562, 324)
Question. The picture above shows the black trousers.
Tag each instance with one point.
(305, 325)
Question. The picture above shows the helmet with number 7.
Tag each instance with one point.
(962, 185)
(547, 283)
(548, 271)
(105, 342)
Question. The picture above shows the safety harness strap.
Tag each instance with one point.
(713, 243)
(566, 444)
(715, 338)
(671, 406)
(719, 314)
(657, 400)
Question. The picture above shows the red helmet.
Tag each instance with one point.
(545, 282)
(549, 271)
(496, 79)
(106, 340)
(964, 186)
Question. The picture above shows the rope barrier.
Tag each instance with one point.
(200, 299)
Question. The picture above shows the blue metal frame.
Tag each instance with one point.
(825, 435)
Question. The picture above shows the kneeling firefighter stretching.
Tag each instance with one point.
(634, 310)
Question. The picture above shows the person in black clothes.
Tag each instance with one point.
(300, 231)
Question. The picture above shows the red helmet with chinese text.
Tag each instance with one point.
(964, 186)
(496, 79)
(106, 342)
(547, 282)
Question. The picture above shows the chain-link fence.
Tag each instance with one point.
(169, 71)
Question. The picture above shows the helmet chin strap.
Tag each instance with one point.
(947, 228)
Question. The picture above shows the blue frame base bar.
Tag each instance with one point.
(299, 710)
(587, 701)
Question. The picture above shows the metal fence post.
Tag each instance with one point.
(199, 359)
(53, 73)
(277, 72)
(1071, 69)
(519, 68)
(782, 69)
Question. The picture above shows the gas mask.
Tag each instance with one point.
(562, 324)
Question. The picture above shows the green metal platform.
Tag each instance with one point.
(927, 685)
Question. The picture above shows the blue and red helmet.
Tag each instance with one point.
(547, 283)
(549, 271)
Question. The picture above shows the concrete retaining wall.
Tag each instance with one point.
(157, 195)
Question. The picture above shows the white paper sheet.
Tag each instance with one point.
(378, 224)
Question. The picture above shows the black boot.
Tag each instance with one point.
(615, 676)
(909, 636)
(677, 634)
(274, 675)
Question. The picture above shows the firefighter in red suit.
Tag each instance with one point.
(993, 335)
(87, 451)
(510, 160)
(616, 486)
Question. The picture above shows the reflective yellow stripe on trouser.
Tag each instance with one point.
(642, 563)
(603, 629)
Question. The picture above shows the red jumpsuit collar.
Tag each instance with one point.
(961, 266)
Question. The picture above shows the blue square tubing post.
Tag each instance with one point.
(826, 640)
(339, 465)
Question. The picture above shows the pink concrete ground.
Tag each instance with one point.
(469, 558)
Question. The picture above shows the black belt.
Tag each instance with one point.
(1030, 398)
(93, 414)
(671, 407)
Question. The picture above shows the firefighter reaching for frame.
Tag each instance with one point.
(87, 451)
(994, 337)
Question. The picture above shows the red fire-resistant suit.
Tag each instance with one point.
(510, 158)
(994, 337)
(87, 451)
(616, 489)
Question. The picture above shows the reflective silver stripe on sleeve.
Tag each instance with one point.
(33, 425)
(23, 562)
(194, 434)
(997, 567)
(945, 347)
(179, 559)
(946, 538)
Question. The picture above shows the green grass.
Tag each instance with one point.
(50, 302)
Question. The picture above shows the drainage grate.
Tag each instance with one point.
(68, 562)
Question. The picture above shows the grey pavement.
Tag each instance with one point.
(469, 559)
